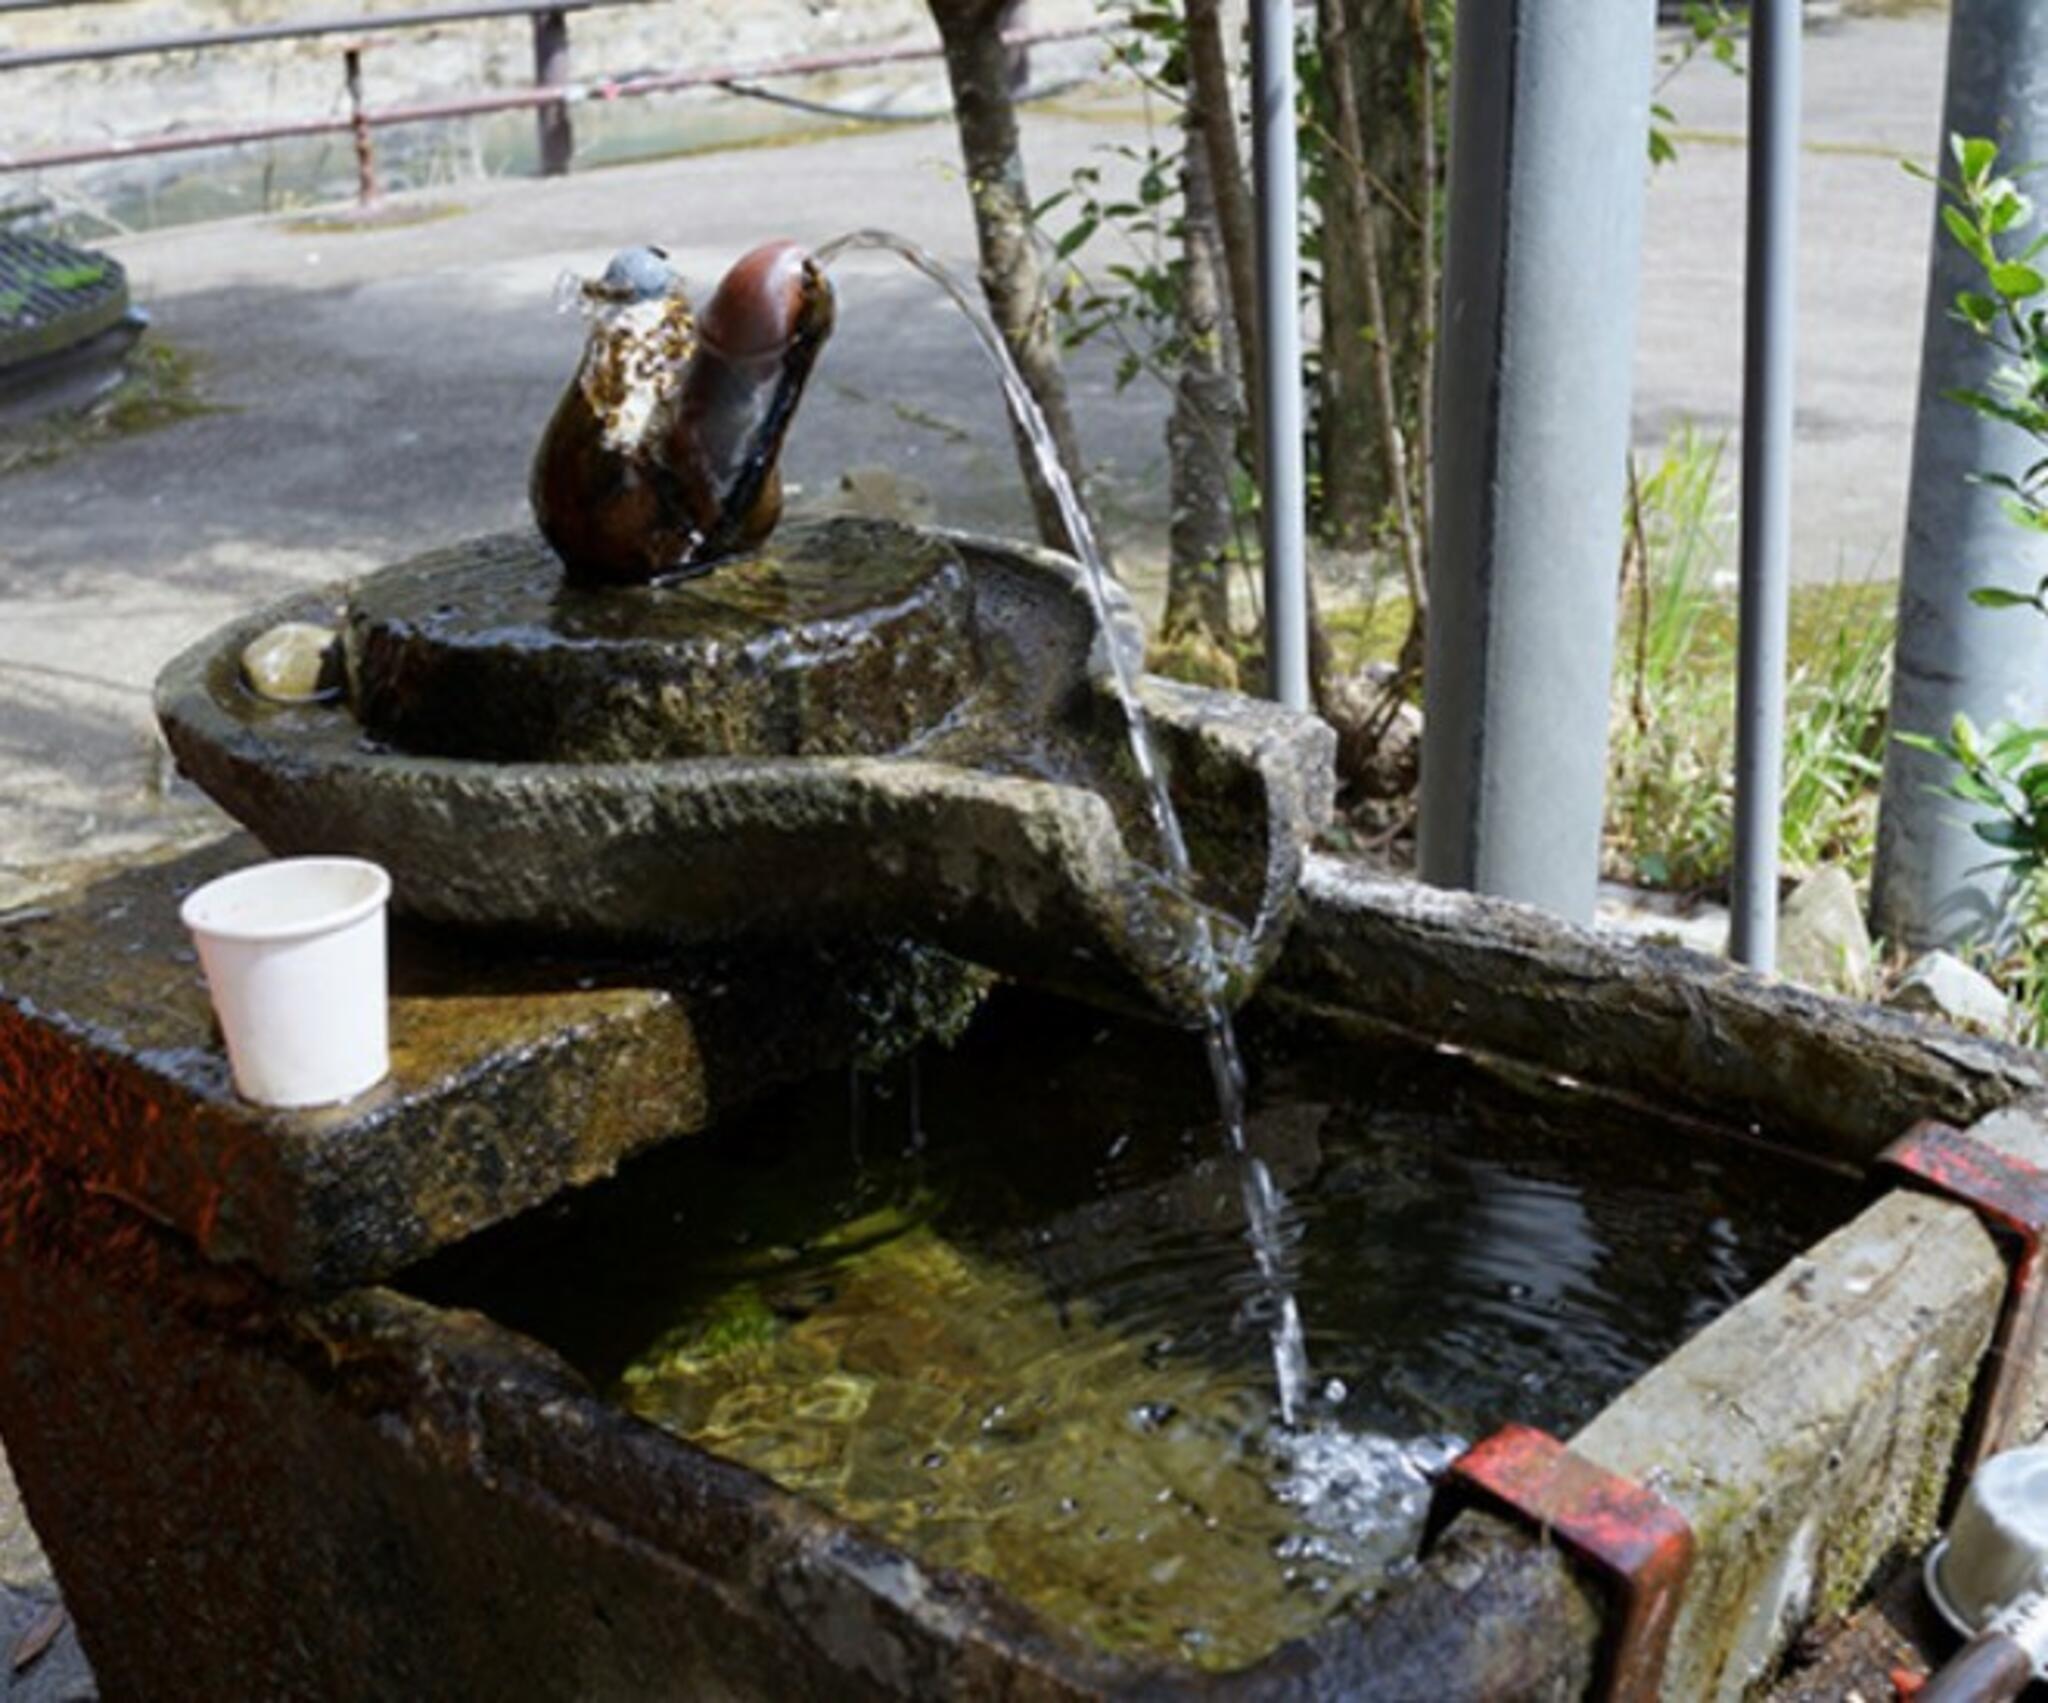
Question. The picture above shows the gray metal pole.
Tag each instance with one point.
(1282, 504)
(1770, 317)
(1550, 108)
(1932, 886)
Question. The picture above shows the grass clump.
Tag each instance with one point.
(1671, 764)
(159, 387)
(1672, 753)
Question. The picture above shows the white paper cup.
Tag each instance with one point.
(294, 959)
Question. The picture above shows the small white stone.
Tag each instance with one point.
(1823, 941)
(293, 663)
(881, 493)
(1939, 984)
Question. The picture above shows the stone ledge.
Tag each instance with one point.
(1809, 1434)
(514, 1076)
(1675, 1027)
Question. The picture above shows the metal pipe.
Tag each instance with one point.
(186, 41)
(509, 100)
(1992, 1668)
(557, 135)
(1934, 885)
(1550, 107)
(1770, 317)
(1282, 503)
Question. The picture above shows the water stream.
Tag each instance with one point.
(1263, 1205)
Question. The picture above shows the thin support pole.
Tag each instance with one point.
(551, 71)
(1282, 504)
(359, 126)
(1770, 314)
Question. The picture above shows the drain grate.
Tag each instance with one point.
(54, 296)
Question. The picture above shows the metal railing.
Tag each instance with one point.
(551, 97)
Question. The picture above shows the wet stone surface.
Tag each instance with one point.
(849, 640)
(1015, 834)
(515, 1074)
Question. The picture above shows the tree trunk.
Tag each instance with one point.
(1387, 61)
(1201, 437)
(1209, 96)
(978, 68)
(1355, 196)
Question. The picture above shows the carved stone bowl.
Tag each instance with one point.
(946, 760)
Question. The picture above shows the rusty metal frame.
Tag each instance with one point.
(190, 41)
(514, 100)
(2010, 1197)
(1637, 1544)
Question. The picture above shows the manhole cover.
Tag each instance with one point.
(54, 297)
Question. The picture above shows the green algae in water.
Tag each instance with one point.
(947, 1402)
(998, 1306)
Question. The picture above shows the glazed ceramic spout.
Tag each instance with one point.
(662, 456)
(756, 342)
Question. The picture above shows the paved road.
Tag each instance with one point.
(379, 391)
(1872, 98)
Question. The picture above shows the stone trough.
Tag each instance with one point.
(263, 1469)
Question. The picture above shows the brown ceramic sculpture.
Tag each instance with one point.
(661, 457)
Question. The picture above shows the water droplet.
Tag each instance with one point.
(933, 1461)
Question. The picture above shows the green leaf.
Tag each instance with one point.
(1976, 155)
(2016, 282)
(1964, 230)
(2005, 205)
(2007, 835)
(1075, 236)
(1962, 735)
(1978, 311)
(2023, 511)
(2027, 419)
(1972, 790)
(1997, 597)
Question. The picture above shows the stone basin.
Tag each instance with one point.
(942, 758)
(266, 1466)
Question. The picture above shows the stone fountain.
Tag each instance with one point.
(670, 727)
(676, 825)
